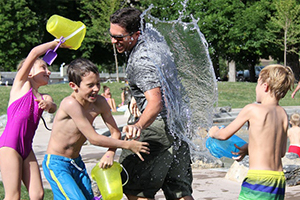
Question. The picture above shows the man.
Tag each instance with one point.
(167, 167)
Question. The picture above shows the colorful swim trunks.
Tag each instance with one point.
(68, 177)
(263, 185)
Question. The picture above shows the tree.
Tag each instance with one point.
(18, 32)
(96, 15)
(65, 8)
(284, 31)
(247, 36)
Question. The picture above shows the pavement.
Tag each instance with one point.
(208, 184)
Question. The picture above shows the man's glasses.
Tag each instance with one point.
(119, 37)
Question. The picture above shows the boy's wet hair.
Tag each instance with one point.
(295, 119)
(128, 18)
(79, 68)
(280, 79)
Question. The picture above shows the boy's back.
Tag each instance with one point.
(267, 136)
(268, 124)
(294, 135)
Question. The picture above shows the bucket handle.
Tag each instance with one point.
(126, 175)
(74, 33)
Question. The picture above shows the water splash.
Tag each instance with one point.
(187, 76)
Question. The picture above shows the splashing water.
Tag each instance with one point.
(187, 76)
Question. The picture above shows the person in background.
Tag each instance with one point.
(111, 101)
(294, 134)
(168, 166)
(268, 126)
(25, 107)
(296, 90)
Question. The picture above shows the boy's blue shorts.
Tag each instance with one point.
(68, 177)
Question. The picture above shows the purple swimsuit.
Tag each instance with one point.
(23, 117)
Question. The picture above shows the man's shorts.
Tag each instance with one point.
(164, 168)
(68, 177)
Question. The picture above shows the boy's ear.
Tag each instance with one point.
(73, 86)
(266, 87)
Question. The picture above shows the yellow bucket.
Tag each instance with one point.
(72, 31)
(109, 181)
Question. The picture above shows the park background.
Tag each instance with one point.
(237, 31)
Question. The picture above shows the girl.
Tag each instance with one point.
(109, 99)
(25, 107)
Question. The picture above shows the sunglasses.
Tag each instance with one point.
(119, 37)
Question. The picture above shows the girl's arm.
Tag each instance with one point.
(36, 52)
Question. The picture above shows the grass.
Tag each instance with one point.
(24, 194)
(60, 91)
(239, 94)
(233, 94)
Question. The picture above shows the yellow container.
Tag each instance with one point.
(72, 31)
(109, 181)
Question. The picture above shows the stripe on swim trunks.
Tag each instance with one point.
(56, 179)
(263, 188)
(247, 194)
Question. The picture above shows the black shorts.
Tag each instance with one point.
(166, 168)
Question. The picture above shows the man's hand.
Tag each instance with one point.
(134, 109)
(132, 131)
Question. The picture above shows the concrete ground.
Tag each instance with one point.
(208, 184)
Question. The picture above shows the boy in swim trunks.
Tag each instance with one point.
(294, 134)
(25, 107)
(268, 125)
(72, 126)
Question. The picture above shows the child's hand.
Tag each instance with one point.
(213, 130)
(44, 104)
(138, 147)
(107, 160)
(242, 153)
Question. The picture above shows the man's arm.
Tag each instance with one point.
(154, 106)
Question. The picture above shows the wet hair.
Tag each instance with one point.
(295, 119)
(79, 68)
(280, 79)
(128, 18)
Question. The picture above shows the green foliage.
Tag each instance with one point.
(97, 45)
(284, 26)
(236, 95)
(235, 30)
(18, 32)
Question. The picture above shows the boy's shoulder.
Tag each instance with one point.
(70, 102)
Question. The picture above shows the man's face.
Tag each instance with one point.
(123, 40)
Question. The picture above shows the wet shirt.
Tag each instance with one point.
(142, 72)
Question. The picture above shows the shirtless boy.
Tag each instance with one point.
(294, 134)
(268, 125)
(72, 126)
